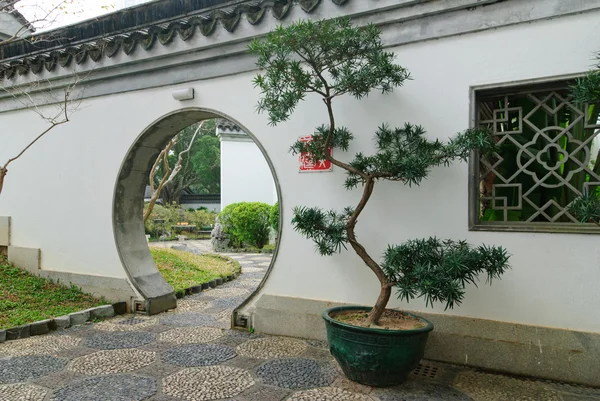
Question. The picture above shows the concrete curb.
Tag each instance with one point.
(246, 250)
(205, 286)
(62, 322)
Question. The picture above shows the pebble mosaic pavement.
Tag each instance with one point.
(190, 354)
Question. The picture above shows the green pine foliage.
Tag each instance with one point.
(332, 58)
(586, 208)
(587, 90)
(439, 270)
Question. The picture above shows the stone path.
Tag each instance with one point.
(190, 354)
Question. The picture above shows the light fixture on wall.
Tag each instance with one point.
(183, 94)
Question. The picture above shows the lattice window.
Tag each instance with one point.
(549, 155)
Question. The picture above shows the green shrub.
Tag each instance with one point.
(246, 222)
(169, 213)
(201, 218)
(274, 217)
(227, 224)
(173, 214)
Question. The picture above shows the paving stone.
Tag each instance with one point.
(202, 297)
(163, 398)
(263, 393)
(127, 323)
(296, 373)
(81, 330)
(272, 347)
(572, 390)
(224, 292)
(243, 362)
(329, 394)
(49, 344)
(190, 305)
(188, 319)
(342, 382)
(233, 342)
(198, 355)
(120, 340)
(218, 312)
(79, 317)
(232, 302)
(22, 368)
(112, 361)
(246, 335)
(207, 383)
(318, 354)
(111, 387)
(191, 335)
(62, 322)
(318, 344)
(253, 270)
(487, 386)
(158, 328)
(251, 284)
(58, 379)
(158, 370)
(252, 276)
(2, 336)
(420, 390)
(102, 312)
(22, 392)
(76, 352)
(571, 397)
(157, 347)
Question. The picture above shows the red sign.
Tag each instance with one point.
(307, 164)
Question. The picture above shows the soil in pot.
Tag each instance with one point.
(390, 320)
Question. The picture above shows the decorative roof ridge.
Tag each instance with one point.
(184, 27)
(228, 126)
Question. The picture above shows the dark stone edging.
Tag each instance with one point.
(62, 322)
(205, 286)
(247, 250)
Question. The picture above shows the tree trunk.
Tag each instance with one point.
(386, 290)
(368, 186)
(379, 308)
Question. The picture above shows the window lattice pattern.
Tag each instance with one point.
(549, 150)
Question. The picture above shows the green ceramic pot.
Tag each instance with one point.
(375, 357)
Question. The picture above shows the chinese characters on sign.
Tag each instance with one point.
(309, 165)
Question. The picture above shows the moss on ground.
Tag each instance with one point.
(184, 269)
(25, 298)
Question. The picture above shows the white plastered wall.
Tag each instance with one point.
(60, 193)
(245, 174)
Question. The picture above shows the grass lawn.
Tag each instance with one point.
(25, 298)
(184, 269)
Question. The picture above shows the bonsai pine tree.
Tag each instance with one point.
(330, 59)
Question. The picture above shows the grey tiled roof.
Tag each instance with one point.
(142, 27)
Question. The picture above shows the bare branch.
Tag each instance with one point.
(64, 108)
(168, 175)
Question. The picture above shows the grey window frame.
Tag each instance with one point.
(475, 224)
